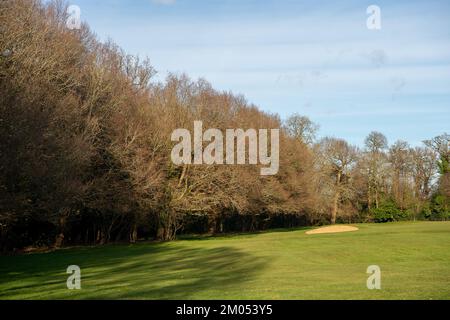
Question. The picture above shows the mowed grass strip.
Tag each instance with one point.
(414, 259)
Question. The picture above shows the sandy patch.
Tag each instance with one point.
(333, 229)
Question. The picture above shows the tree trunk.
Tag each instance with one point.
(336, 198)
(376, 198)
(133, 234)
(59, 241)
(335, 208)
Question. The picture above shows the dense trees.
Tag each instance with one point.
(85, 144)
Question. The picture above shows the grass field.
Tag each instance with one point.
(414, 259)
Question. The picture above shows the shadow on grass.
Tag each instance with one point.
(194, 237)
(145, 271)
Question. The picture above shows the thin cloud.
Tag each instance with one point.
(377, 57)
(164, 2)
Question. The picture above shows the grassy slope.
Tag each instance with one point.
(414, 259)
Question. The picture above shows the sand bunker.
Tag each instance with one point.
(333, 229)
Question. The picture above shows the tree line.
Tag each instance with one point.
(85, 151)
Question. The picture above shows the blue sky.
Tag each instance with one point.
(315, 58)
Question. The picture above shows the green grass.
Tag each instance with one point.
(414, 259)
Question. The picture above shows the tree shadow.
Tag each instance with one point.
(156, 271)
(200, 237)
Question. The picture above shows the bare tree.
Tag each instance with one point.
(441, 146)
(423, 171)
(375, 144)
(301, 128)
(400, 159)
(338, 158)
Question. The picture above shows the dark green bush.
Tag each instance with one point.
(440, 208)
(388, 212)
